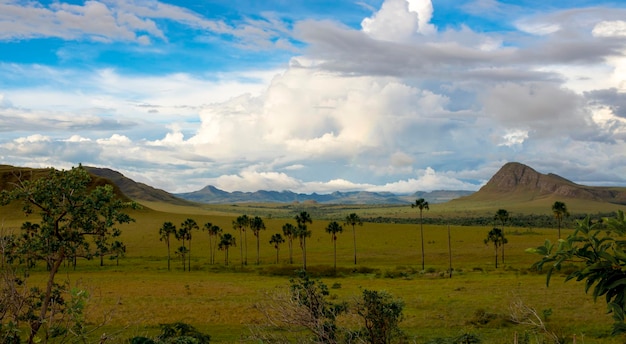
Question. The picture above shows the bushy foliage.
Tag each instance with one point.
(600, 247)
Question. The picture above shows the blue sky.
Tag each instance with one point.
(315, 96)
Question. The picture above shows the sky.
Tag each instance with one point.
(316, 95)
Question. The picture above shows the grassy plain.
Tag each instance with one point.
(140, 293)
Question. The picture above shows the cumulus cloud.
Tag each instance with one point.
(396, 105)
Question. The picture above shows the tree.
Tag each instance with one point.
(421, 204)
(559, 209)
(302, 232)
(118, 249)
(381, 314)
(241, 223)
(165, 231)
(276, 240)
(333, 229)
(496, 236)
(186, 229)
(353, 220)
(503, 216)
(289, 230)
(598, 249)
(256, 225)
(213, 231)
(71, 210)
(226, 241)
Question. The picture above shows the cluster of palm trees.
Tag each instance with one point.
(218, 240)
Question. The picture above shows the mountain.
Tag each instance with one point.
(134, 190)
(520, 183)
(213, 195)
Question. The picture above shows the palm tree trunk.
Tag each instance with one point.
(189, 257)
(496, 255)
(290, 250)
(258, 261)
(304, 253)
(422, 238)
(335, 249)
(241, 246)
(354, 240)
(168, 254)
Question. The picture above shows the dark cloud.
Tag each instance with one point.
(610, 98)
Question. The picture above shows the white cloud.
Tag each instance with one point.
(400, 20)
(615, 28)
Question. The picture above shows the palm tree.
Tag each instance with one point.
(276, 240)
(164, 235)
(214, 231)
(496, 236)
(226, 241)
(503, 216)
(240, 223)
(303, 232)
(289, 231)
(353, 220)
(333, 229)
(256, 225)
(559, 209)
(186, 229)
(421, 204)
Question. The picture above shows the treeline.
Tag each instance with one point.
(529, 221)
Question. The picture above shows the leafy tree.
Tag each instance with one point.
(559, 209)
(381, 314)
(503, 216)
(601, 249)
(333, 229)
(71, 210)
(165, 232)
(353, 220)
(302, 232)
(496, 236)
(289, 230)
(241, 223)
(257, 225)
(276, 240)
(182, 252)
(226, 241)
(213, 231)
(421, 204)
(186, 231)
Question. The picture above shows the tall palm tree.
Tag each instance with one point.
(213, 231)
(164, 235)
(496, 236)
(559, 209)
(187, 227)
(353, 220)
(289, 231)
(303, 232)
(503, 216)
(333, 229)
(226, 241)
(276, 240)
(421, 204)
(240, 223)
(256, 225)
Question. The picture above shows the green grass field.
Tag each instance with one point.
(135, 297)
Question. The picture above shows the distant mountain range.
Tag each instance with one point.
(514, 182)
(213, 195)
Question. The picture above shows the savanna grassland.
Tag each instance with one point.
(134, 297)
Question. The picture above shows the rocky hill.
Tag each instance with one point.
(134, 190)
(522, 183)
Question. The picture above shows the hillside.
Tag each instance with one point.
(137, 191)
(518, 184)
